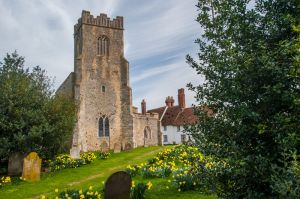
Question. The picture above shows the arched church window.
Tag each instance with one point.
(103, 126)
(106, 127)
(103, 46)
(100, 126)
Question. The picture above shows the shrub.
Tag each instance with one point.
(248, 106)
(32, 117)
(286, 182)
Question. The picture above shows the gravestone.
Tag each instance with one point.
(32, 167)
(75, 153)
(128, 146)
(104, 147)
(118, 186)
(117, 148)
(15, 164)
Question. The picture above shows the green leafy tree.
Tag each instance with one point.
(249, 55)
(32, 118)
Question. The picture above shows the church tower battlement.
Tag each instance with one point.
(102, 20)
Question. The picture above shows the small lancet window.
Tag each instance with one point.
(103, 46)
(103, 89)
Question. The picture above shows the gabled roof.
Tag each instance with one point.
(175, 115)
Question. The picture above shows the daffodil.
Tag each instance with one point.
(149, 185)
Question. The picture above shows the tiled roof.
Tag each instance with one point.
(176, 116)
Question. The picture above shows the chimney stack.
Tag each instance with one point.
(169, 101)
(181, 98)
(143, 105)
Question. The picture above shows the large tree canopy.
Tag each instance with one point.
(250, 58)
(31, 117)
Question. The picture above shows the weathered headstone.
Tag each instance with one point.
(128, 146)
(117, 148)
(15, 164)
(118, 186)
(32, 167)
(104, 147)
(75, 153)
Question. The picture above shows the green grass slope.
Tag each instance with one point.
(94, 175)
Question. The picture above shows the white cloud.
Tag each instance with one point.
(167, 84)
(153, 72)
(158, 35)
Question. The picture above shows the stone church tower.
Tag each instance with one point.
(100, 86)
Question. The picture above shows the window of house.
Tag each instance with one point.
(103, 89)
(103, 127)
(178, 128)
(183, 137)
(165, 128)
(165, 138)
(103, 45)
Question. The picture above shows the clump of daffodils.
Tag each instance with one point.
(181, 163)
(138, 190)
(5, 180)
(70, 194)
(65, 161)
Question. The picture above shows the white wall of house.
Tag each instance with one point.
(173, 134)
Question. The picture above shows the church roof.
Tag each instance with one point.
(175, 115)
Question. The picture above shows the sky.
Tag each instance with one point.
(158, 35)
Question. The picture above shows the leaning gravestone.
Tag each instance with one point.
(118, 186)
(75, 153)
(32, 167)
(128, 146)
(15, 164)
(104, 147)
(117, 148)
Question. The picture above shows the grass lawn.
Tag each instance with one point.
(160, 190)
(94, 175)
